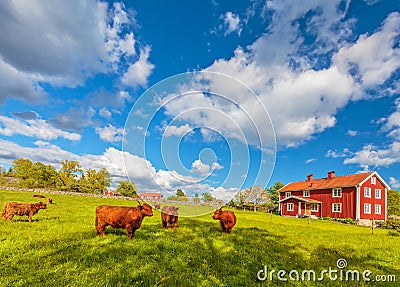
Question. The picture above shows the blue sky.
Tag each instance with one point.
(212, 96)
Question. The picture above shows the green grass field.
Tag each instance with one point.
(60, 248)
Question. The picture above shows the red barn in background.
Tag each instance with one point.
(361, 197)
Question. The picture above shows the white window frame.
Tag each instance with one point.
(337, 192)
(335, 209)
(379, 193)
(378, 209)
(373, 180)
(290, 207)
(314, 209)
(367, 208)
(365, 192)
(306, 193)
(288, 194)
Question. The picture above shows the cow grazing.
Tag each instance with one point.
(126, 217)
(169, 217)
(49, 200)
(18, 208)
(157, 205)
(39, 196)
(227, 219)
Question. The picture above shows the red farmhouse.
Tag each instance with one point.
(361, 197)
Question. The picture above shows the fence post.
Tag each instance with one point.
(372, 225)
(270, 215)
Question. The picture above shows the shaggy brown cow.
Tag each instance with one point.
(18, 208)
(157, 205)
(227, 219)
(126, 217)
(49, 200)
(169, 217)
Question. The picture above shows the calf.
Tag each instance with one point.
(227, 219)
(157, 205)
(169, 217)
(18, 208)
(126, 217)
(49, 200)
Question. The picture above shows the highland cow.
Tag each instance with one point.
(126, 217)
(227, 219)
(169, 217)
(18, 208)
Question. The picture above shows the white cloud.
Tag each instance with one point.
(110, 133)
(394, 183)
(177, 131)
(373, 58)
(138, 73)
(200, 168)
(203, 169)
(105, 113)
(310, 160)
(302, 100)
(216, 166)
(371, 155)
(37, 128)
(232, 23)
(352, 133)
(392, 122)
(71, 42)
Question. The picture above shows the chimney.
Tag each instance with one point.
(331, 174)
(309, 177)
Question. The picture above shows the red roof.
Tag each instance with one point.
(323, 183)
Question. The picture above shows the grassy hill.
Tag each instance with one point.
(60, 248)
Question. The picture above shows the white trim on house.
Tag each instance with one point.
(311, 207)
(333, 207)
(338, 191)
(306, 193)
(378, 209)
(358, 203)
(299, 211)
(386, 212)
(366, 188)
(291, 205)
(367, 210)
(380, 193)
(378, 177)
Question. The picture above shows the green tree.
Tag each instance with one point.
(273, 192)
(196, 199)
(207, 197)
(127, 188)
(179, 192)
(68, 175)
(22, 168)
(44, 175)
(393, 202)
(92, 181)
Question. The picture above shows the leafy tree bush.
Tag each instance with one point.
(127, 188)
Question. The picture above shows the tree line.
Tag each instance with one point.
(70, 177)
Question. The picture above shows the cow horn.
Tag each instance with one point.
(139, 203)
